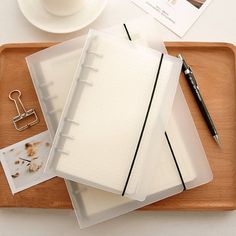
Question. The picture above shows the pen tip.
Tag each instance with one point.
(216, 137)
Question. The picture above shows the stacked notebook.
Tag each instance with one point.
(123, 136)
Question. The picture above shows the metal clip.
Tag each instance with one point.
(72, 121)
(45, 84)
(85, 82)
(90, 67)
(51, 97)
(23, 115)
(67, 136)
(95, 53)
(54, 111)
(62, 152)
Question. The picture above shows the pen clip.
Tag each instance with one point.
(188, 71)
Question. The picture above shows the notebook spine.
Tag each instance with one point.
(84, 66)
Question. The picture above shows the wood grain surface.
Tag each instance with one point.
(214, 66)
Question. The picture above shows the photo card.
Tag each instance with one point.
(24, 162)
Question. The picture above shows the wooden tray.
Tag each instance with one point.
(214, 66)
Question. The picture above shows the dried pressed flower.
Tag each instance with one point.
(32, 148)
(35, 165)
(15, 175)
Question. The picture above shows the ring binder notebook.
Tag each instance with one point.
(91, 204)
(130, 100)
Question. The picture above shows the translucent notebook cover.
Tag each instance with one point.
(93, 205)
(110, 133)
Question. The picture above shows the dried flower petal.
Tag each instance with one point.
(15, 175)
(35, 165)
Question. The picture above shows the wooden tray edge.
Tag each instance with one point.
(27, 45)
(167, 44)
(199, 44)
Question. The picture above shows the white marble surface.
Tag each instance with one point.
(216, 24)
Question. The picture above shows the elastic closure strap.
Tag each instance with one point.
(144, 124)
(176, 163)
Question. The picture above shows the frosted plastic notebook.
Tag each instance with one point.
(120, 99)
(56, 66)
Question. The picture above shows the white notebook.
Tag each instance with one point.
(120, 98)
(56, 66)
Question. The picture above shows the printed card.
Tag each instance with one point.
(177, 15)
(24, 162)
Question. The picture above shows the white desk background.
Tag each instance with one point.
(216, 24)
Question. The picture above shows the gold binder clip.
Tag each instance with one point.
(24, 115)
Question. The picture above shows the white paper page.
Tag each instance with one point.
(177, 15)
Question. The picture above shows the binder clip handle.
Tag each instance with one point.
(14, 96)
(18, 98)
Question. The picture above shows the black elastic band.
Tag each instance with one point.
(176, 163)
(127, 32)
(144, 124)
(145, 121)
(171, 149)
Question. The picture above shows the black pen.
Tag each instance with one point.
(198, 97)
